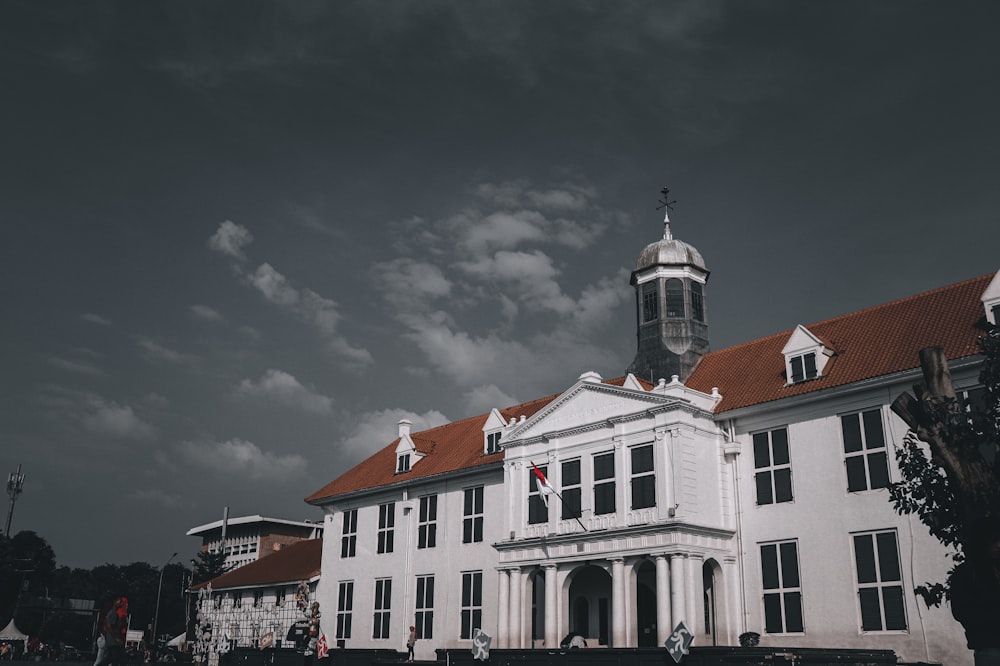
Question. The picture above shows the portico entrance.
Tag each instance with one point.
(617, 601)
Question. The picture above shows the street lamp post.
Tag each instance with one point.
(156, 614)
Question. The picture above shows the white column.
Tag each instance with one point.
(696, 596)
(663, 624)
(514, 622)
(731, 581)
(678, 588)
(661, 463)
(503, 607)
(618, 637)
(551, 607)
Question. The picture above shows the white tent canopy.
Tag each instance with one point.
(12, 633)
(178, 641)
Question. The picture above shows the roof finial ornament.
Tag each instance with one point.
(665, 204)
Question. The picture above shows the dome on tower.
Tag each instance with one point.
(668, 250)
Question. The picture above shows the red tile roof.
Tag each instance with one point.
(451, 447)
(295, 562)
(878, 341)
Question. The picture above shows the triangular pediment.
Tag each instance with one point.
(801, 340)
(494, 421)
(585, 404)
(405, 445)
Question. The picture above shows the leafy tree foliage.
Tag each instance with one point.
(31, 582)
(27, 562)
(949, 462)
(208, 565)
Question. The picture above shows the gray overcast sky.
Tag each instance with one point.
(240, 240)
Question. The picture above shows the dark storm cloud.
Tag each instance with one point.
(244, 239)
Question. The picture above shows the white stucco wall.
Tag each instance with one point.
(446, 562)
(822, 518)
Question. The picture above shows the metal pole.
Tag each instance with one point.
(156, 615)
(15, 486)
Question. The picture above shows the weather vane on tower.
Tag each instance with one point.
(666, 204)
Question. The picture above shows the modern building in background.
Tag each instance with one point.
(735, 490)
(250, 538)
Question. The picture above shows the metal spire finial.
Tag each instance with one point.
(665, 204)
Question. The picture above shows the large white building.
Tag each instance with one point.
(740, 490)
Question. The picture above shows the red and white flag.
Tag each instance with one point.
(544, 487)
(321, 647)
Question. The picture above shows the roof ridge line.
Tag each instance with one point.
(904, 299)
(809, 326)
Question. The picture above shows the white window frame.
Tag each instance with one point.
(427, 522)
(382, 609)
(573, 491)
(783, 588)
(345, 608)
(606, 481)
(386, 527)
(493, 442)
(803, 366)
(349, 534)
(424, 607)
(472, 517)
(771, 468)
(865, 453)
(650, 473)
(880, 584)
(535, 497)
(472, 587)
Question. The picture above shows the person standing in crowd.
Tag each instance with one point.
(114, 638)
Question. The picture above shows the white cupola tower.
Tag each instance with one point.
(671, 310)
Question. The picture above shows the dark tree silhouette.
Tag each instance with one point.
(208, 565)
(27, 562)
(949, 460)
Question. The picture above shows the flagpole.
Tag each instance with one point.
(577, 518)
(541, 477)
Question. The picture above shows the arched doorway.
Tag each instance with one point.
(711, 577)
(645, 604)
(590, 601)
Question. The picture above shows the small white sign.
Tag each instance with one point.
(481, 645)
(679, 641)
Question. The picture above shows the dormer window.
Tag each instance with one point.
(492, 432)
(493, 443)
(805, 356)
(803, 367)
(406, 451)
(991, 300)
